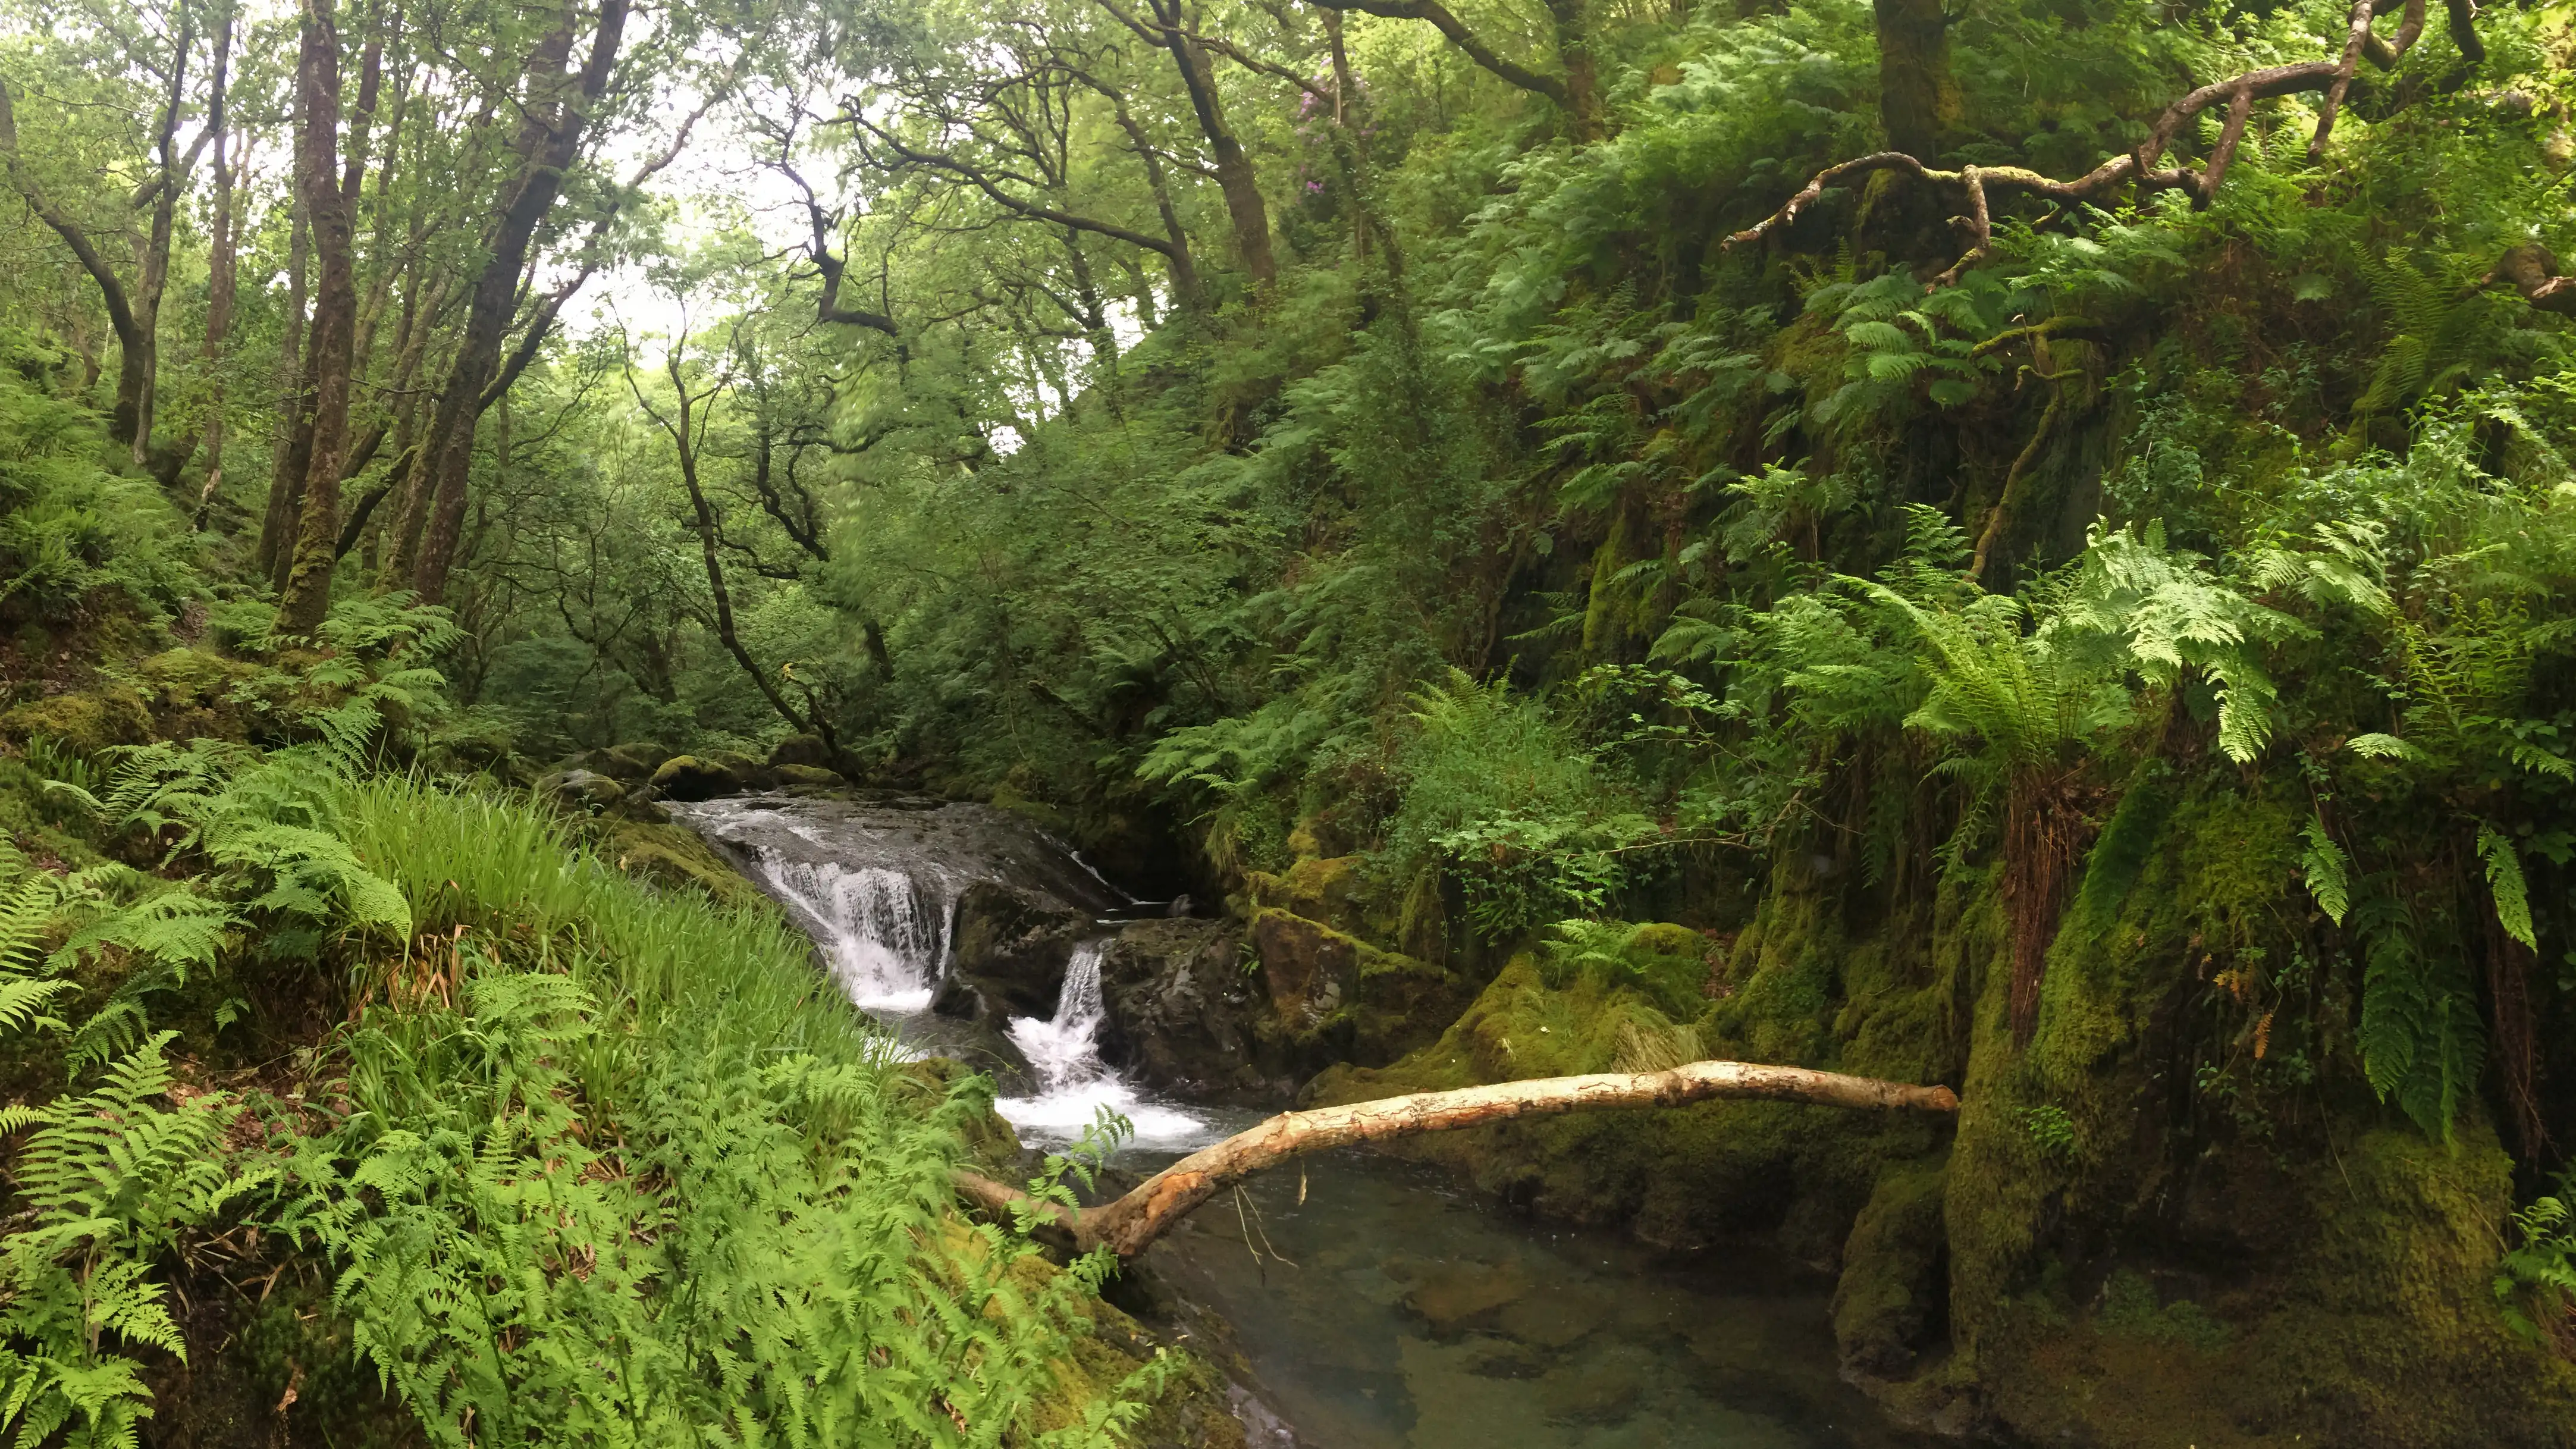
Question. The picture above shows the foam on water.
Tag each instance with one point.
(887, 944)
(1074, 1084)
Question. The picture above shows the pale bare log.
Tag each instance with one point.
(1128, 1225)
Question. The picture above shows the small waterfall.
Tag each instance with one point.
(877, 886)
(1073, 1083)
(884, 930)
(1064, 1050)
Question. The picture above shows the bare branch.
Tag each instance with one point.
(2139, 167)
(1130, 1224)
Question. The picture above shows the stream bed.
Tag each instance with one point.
(1377, 1305)
(1390, 1310)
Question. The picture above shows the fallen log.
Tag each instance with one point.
(1130, 1224)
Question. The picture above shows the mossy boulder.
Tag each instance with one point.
(1308, 967)
(692, 777)
(805, 751)
(1329, 891)
(587, 789)
(83, 722)
(189, 692)
(1332, 993)
(632, 762)
(1192, 1411)
(1891, 1300)
(671, 856)
(747, 772)
(811, 776)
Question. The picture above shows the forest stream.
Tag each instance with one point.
(1287, 724)
(1376, 1303)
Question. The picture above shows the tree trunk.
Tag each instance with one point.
(1582, 76)
(1131, 1224)
(432, 520)
(292, 446)
(222, 273)
(2043, 834)
(685, 433)
(1917, 95)
(306, 597)
(134, 349)
(1234, 177)
(152, 274)
(1184, 268)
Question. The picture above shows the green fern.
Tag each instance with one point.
(2537, 1276)
(2421, 1039)
(2505, 882)
(109, 1180)
(2327, 869)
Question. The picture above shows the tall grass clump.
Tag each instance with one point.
(620, 1167)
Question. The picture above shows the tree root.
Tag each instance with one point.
(1130, 1224)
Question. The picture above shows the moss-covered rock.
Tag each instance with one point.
(804, 751)
(1336, 997)
(1328, 891)
(1892, 1299)
(1182, 1010)
(83, 722)
(1308, 967)
(1008, 952)
(1112, 1353)
(190, 693)
(585, 789)
(690, 777)
(671, 856)
(636, 761)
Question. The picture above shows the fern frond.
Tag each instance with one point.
(2505, 882)
(2328, 870)
(2376, 746)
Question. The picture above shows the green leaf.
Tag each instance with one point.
(2384, 747)
(2329, 871)
(2504, 878)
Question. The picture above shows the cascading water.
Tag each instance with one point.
(1074, 1084)
(878, 885)
(884, 931)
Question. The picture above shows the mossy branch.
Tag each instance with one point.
(1130, 1224)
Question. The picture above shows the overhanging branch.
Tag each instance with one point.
(2142, 166)
(1552, 87)
(1130, 1224)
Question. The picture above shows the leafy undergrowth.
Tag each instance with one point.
(585, 1163)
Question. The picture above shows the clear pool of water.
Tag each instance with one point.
(1390, 1310)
